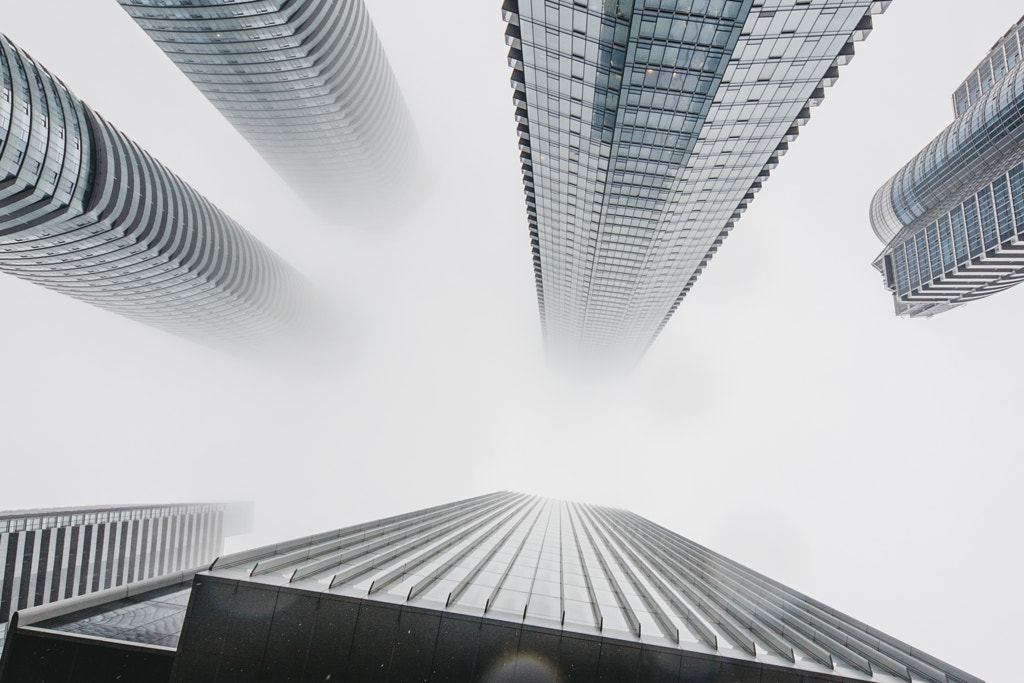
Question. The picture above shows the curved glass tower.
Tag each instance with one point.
(645, 129)
(307, 83)
(952, 219)
(85, 212)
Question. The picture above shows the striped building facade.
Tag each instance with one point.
(501, 587)
(307, 83)
(85, 212)
(50, 555)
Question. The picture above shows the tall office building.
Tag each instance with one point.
(85, 212)
(307, 83)
(504, 587)
(952, 220)
(50, 555)
(645, 129)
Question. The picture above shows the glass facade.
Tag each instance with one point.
(646, 127)
(307, 83)
(950, 217)
(152, 618)
(50, 555)
(486, 589)
(585, 569)
(1004, 56)
(85, 212)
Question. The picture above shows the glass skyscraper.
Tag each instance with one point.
(55, 554)
(952, 219)
(307, 83)
(645, 129)
(85, 212)
(503, 587)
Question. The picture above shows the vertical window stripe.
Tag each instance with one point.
(42, 564)
(8, 577)
(84, 556)
(58, 562)
(26, 569)
(69, 587)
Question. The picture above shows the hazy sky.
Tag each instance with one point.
(785, 417)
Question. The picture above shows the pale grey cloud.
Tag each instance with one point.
(785, 417)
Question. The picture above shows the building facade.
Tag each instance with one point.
(645, 129)
(54, 554)
(85, 212)
(952, 219)
(503, 587)
(307, 83)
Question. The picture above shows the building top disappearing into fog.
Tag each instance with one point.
(307, 83)
(646, 127)
(952, 219)
(504, 587)
(85, 212)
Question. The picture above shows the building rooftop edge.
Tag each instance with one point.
(87, 509)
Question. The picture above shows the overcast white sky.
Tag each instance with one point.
(785, 417)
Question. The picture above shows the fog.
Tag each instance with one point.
(785, 417)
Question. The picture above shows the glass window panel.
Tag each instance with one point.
(974, 239)
(946, 243)
(956, 217)
(1004, 214)
(988, 219)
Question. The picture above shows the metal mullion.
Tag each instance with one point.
(243, 557)
(917, 665)
(343, 539)
(595, 607)
(773, 632)
(373, 546)
(667, 627)
(739, 578)
(757, 621)
(475, 571)
(425, 583)
(836, 643)
(620, 597)
(511, 563)
(305, 554)
(861, 641)
(684, 612)
(821, 652)
(561, 564)
(388, 557)
(426, 556)
(716, 611)
(850, 642)
(845, 646)
(536, 566)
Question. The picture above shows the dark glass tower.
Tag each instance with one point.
(952, 219)
(55, 554)
(645, 129)
(307, 83)
(504, 587)
(85, 212)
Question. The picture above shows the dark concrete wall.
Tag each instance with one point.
(31, 657)
(244, 631)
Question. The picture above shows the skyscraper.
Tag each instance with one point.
(54, 554)
(952, 219)
(503, 587)
(85, 212)
(645, 129)
(308, 85)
